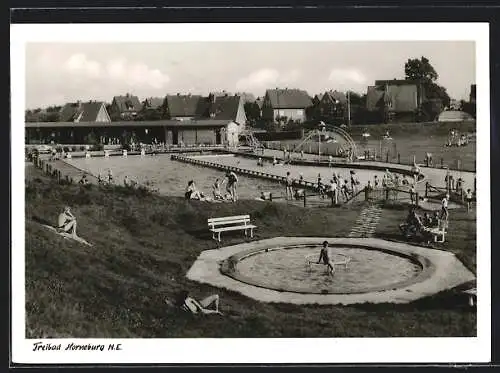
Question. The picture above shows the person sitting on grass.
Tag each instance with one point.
(325, 256)
(299, 194)
(67, 222)
(83, 180)
(427, 221)
(207, 306)
(435, 219)
(410, 227)
(192, 192)
(216, 190)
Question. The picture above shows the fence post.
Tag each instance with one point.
(305, 196)
(416, 199)
(366, 194)
(270, 197)
(387, 157)
(426, 187)
(386, 193)
(441, 162)
(399, 158)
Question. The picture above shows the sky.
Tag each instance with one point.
(57, 73)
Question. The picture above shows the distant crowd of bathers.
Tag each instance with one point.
(109, 179)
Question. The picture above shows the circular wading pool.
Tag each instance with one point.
(294, 268)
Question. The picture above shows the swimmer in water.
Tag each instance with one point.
(326, 258)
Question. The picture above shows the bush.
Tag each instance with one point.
(82, 148)
(126, 147)
(74, 148)
(66, 149)
(59, 149)
(97, 147)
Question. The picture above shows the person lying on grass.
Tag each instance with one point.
(189, 304)
(67, 222)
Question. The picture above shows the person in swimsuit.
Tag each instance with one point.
(67, 222)
(216, 190)
(208, 305)
(444, 207)
(288, 186)
(232, 179)
(326, 257)
(468, 199)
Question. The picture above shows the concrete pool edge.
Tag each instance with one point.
(448, 272)
(229, 267)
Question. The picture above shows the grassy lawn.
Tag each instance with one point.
(145, 244)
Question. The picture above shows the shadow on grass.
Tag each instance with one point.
(40, 220)
(453, 300)
(398, 237)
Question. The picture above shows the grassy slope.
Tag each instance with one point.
(144, 245)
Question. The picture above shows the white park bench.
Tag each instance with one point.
(439, 233)
(472, 294)
(230, 223)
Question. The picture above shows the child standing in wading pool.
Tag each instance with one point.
(326, 258)
(468, 199)
(288, 186)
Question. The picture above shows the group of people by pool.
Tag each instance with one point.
(339, 187)
(415, 223)
(231, 181)
(110, 180)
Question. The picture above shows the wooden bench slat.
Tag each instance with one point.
(230, 222)
(229, 218)
(232, 228)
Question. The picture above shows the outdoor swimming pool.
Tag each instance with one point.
(170, 177)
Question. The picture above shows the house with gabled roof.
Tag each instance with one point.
(182, 107)
(153, 103)
(399, 98)
(91, 111)
(290, 104)
(125, 107)
(332, 105)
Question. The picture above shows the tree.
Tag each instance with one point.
(252, 112)
(421, 70)
(468, 107)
